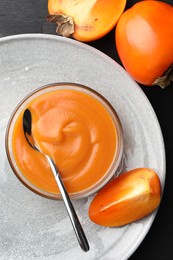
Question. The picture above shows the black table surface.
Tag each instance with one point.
(29, 16)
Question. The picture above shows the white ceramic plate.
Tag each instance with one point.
(32, 227)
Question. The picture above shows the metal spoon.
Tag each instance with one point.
(27, 127)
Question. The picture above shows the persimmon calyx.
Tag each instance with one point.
(65, 24)
(166, 79)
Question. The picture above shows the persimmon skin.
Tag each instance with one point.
(127, 198)
(144, 40)
(92, 18)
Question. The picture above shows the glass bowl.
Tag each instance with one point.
(112, 169)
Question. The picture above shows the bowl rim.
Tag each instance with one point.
(119, 149)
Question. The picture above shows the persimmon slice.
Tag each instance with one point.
(127, 198)
(85, 20)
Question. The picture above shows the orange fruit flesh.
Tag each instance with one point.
(92, 19)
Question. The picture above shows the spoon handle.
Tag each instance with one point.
(70, 209)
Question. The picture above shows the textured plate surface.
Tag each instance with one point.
(32, 227)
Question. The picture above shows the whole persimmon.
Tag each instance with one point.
(144, 41)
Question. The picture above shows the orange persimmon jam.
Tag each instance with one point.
(77, 128)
